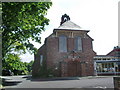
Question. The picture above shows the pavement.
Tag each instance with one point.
(101, 82)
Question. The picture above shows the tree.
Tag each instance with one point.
(22, 21)
(13, 62)
(29, 66)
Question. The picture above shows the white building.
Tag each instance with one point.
(108, 64)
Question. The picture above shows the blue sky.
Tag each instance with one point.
(98, 16)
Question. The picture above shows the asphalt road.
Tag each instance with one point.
(84, 82)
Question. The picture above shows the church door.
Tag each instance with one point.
(73, 69)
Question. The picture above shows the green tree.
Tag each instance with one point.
(29, 66)
(13, 62)
(22, 22)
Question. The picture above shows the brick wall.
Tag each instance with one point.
(56, 60)
(36, 65)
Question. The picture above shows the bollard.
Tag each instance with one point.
(116, 83)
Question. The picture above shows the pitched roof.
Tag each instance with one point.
(69, 25)
(115, 52)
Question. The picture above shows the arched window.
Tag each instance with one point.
(62, 43)
(78, 44)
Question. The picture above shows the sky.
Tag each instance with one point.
(98, 16)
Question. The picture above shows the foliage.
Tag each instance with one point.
(22, 21)
(44, 73)
(29, 66)
(13, 62)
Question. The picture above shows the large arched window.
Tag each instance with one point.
(62, 43)
(78, 44)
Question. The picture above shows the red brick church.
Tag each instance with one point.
(67, 52)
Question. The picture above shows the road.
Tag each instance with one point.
(85, 82)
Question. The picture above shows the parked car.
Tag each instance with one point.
(6, 72)
(18, 72)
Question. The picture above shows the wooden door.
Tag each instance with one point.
(73, 69)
